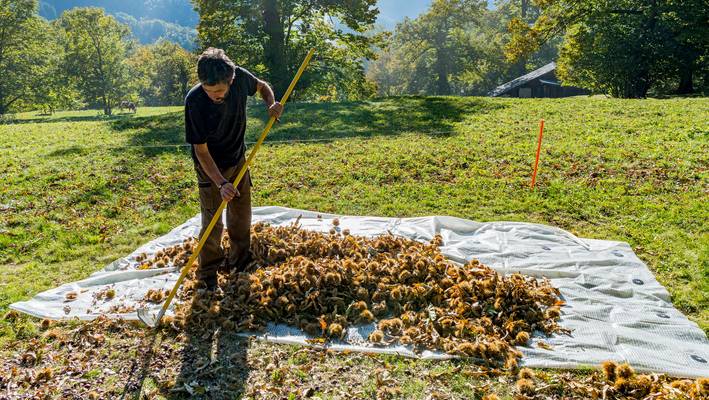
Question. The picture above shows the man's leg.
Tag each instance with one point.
(238, 220)
(212, 255)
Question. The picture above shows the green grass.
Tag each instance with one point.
(80, 190)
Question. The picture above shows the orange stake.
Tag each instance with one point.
(539, 149)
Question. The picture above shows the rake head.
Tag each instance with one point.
(150, 317)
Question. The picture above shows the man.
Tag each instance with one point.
(215, 121)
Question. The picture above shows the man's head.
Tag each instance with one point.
(216, 72)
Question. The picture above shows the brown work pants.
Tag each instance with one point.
(238, 223)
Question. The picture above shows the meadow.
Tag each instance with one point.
(80, 190)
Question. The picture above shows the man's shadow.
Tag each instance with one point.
(212, 357)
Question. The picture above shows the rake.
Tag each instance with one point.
(144, 314)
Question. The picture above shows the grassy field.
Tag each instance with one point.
(80, 190)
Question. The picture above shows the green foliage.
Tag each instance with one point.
(50, 91)
(96, 47)
(82, 59)
(441, 40)
(453, 48)
(599, 60)
(271, 37)
(431, 51)
(685, 61)
(621, 48)
(30, 61)
(162, 73)
(512, 11)
(23, 54)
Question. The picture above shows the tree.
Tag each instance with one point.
(440, 35)
(273, 36)
(456, 47)
(163, 73)
(621, 48)
(96, 47)
(527, 12)
(30, 59)
(524, 10)
(688, 44)
(611, 58)
(52, 90)
(21, 50)
(453, 48)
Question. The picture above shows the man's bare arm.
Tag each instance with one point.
(275, 109)
(228, 191)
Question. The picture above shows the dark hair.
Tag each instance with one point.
(214, 67)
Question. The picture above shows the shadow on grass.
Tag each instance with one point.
(434, 116)
(140, 368)
(213, 361)
(69, 151)
(73, 118)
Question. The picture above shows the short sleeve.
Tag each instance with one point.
(194, 125)
(249, 80)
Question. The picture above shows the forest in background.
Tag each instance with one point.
(62, 55)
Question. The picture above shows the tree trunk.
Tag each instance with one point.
(643, 78)
(443, 87)
(274, 48)
(106, 106)
(636, 86)
(686, 79)
(5, 106)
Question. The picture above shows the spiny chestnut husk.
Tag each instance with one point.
(326, 282)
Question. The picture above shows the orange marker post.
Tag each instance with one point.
(539, 149)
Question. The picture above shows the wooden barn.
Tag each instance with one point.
(538, 83)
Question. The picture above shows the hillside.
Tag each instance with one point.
(151, 30)
(179, 12)
(174, 20)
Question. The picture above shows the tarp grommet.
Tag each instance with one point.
(698, 359)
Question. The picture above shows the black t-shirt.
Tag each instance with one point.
(220, 126)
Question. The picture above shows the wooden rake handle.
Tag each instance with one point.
(220, 210)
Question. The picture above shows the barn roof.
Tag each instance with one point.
(523, 79)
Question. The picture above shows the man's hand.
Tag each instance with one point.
(228, 192)
(275, 111)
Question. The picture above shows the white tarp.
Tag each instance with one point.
(615, 307)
